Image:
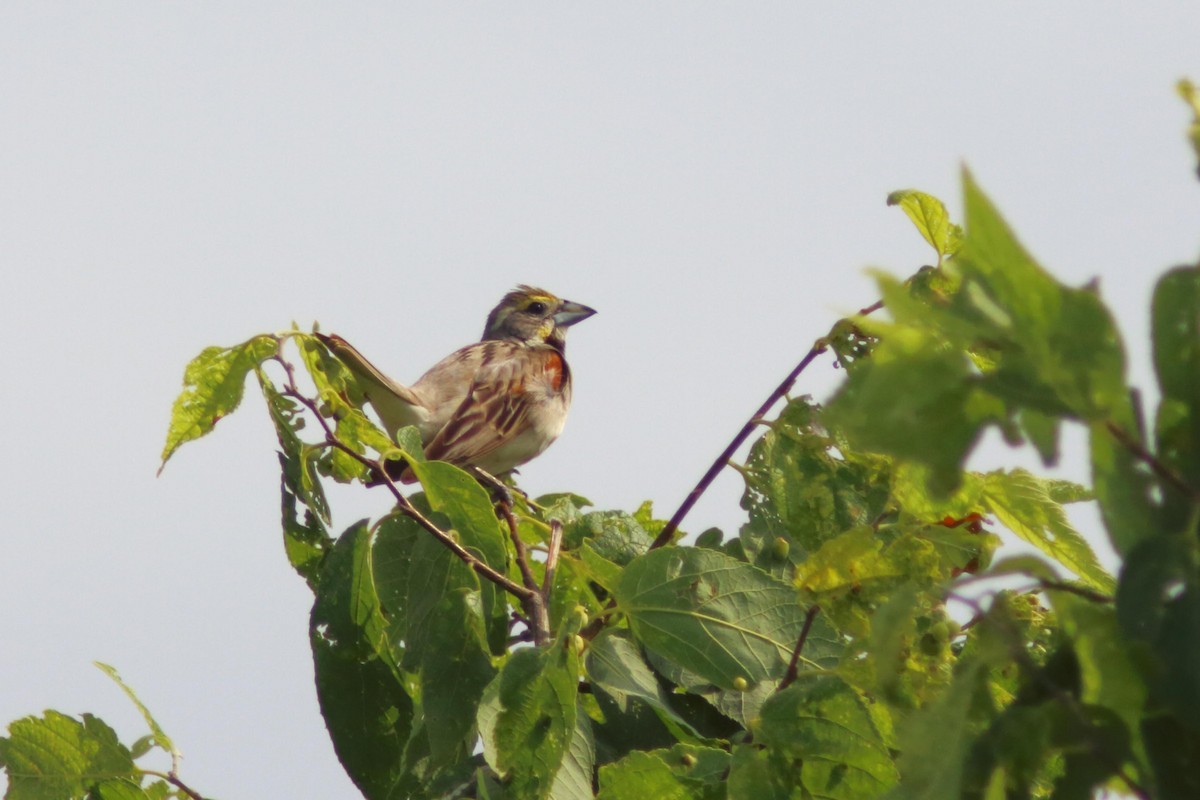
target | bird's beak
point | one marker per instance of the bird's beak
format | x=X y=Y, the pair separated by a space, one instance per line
x=569 y=313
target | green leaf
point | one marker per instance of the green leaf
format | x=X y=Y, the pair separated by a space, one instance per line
x=1179 y=649
x=759 y=774
x=535 y=725
x=432 y=573
x=1042 y=431
x=1176 y=336
x=856 y=572
x=574 y=778
x=599 y=569
x=212 y=388
x=685 y=771
x=617 y=668
x=1058 y=348
x=938 y=739
x=720 y=618
x=1108 y=675
x=469 y=509
x=614 y=535
x=931 y=218
x=798 y=491
x=160 y=737
x=307 y=540
x=639 y=776
x=1023 y=504
x=1189 y=93
x=396 y=538
x=1174 y=751
x=826 y=726
x=645 y=517
x=409 y=440
x=56 y=756
x=455 y=669
x=859 y=556
x=130 y=789
x=367 y=711
x=918 y=400
x=1123 y=490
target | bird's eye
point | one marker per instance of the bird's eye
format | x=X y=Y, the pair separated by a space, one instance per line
x=536 y=308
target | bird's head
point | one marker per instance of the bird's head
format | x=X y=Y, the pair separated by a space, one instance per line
x=534 y=315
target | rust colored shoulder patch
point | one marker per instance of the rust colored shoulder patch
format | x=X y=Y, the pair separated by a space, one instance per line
x=556 y=370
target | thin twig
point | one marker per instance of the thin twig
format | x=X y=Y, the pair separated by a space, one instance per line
x=871 y=309
x=1070 y=588
x=1149 y=459
x=173 y=779
x=534 y=605
x=668 y=533
x=794 y=665
x=331 y=439
x=183 y=787
x=519 y=545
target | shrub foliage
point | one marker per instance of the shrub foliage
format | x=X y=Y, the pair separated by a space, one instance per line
x=856 y=639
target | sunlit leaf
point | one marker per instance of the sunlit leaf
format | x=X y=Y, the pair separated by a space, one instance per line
x=55 y=756
x=931 y=218
x=799 y=491
x=918 y=400
x=1059 y=348
x=160 y=737
x=1191 y=95
x=213 y=384
x=1023 y=504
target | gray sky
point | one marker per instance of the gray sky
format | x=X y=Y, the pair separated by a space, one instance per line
x=710 y=177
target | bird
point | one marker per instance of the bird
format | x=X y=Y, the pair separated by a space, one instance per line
x=493 y=405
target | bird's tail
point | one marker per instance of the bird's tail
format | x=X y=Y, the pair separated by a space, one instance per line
x=396 y=404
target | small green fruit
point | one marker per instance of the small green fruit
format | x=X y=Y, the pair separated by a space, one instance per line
x=780 y=548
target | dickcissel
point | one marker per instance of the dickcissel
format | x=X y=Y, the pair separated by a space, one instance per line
x=494 y=404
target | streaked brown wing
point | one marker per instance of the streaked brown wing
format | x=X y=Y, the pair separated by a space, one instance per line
x=495 y=411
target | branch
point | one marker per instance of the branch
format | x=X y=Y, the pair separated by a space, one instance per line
x=668 y=532
x=820 y=346
x=1070 y=588
x=173 y=779
x=794 y=665
x=1149 y=459
x=533 y=602
x=331 y=439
